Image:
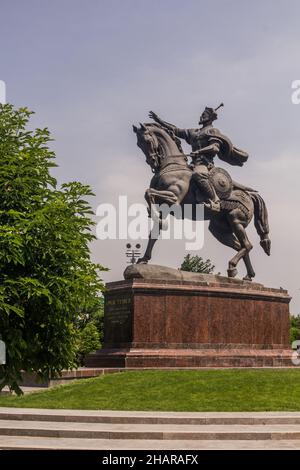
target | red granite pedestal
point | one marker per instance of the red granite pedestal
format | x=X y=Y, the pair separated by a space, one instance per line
x=212 y=321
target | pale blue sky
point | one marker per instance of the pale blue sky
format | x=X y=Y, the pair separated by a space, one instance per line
x=92 y=68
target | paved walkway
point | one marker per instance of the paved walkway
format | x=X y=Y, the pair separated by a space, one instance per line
x=42 y=443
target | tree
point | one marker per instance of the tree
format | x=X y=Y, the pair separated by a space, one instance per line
x=196 y=264
x=88 y=341
x=90 y=325
x=46 y=276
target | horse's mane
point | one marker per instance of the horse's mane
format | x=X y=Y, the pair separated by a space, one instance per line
x=168 y=131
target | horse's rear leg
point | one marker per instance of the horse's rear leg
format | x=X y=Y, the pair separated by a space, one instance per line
x=232 y=271
x=250 y=270
x=237 y=222
x=223 y=233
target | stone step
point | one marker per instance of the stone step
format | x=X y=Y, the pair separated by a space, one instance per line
x=67 y=376
x=149 y=431
x=52 y=443
x=144 y=417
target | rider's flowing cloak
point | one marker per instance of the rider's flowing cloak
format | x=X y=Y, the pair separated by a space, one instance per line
x=228 y=153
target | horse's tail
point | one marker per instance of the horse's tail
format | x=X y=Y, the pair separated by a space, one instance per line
x=261 y=221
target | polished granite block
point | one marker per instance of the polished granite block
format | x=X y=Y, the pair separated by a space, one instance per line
x=212 y=321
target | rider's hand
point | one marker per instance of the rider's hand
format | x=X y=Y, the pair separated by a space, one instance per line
x=196 y=153
x=154 y=116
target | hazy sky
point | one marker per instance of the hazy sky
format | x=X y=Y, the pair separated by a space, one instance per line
x=92 y=68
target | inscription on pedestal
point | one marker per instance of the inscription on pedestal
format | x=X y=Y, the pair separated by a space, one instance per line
x=117 y=320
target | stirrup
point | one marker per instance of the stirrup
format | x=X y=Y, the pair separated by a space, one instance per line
x=214 y=206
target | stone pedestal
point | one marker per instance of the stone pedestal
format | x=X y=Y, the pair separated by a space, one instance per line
x=159 y=317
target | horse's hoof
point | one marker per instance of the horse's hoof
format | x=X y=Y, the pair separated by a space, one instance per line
x=266 y=245
x=232 y=272
x=247 y=278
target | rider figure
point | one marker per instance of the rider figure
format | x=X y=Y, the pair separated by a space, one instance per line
x=206 y=142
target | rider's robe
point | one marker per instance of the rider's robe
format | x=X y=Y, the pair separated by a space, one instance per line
x=199 y=138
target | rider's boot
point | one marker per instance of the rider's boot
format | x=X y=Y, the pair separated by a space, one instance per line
x=215 y=203
x=205 y=186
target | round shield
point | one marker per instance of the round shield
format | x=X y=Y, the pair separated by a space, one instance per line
x=221 y=181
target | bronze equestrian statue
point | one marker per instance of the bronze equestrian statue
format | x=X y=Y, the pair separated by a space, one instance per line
x=228 y=205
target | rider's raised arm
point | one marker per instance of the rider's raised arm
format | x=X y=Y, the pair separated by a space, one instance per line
x=182 y=133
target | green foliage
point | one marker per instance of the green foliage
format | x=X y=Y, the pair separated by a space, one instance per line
x=196 y=264
x=295 y=328
x=88 y=341
x=90 y=327
x=93 y=314
x=96 y=317
x=46 y=276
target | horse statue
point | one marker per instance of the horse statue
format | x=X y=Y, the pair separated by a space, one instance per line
x=172 y=183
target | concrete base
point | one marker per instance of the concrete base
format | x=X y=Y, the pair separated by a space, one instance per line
x=190 y=358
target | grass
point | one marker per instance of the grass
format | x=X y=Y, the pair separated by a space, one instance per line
x=212 y=390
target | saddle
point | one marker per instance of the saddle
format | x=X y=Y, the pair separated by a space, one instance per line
x=229 y=190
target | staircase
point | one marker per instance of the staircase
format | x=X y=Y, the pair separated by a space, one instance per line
x=77 y=429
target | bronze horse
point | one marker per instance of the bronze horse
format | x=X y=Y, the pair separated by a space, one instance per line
x=172 y=184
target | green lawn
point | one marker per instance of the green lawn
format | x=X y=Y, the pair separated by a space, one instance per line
x=212 y=390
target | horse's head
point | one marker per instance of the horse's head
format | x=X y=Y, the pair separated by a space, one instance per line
x=157 y=143
x=148 y=143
